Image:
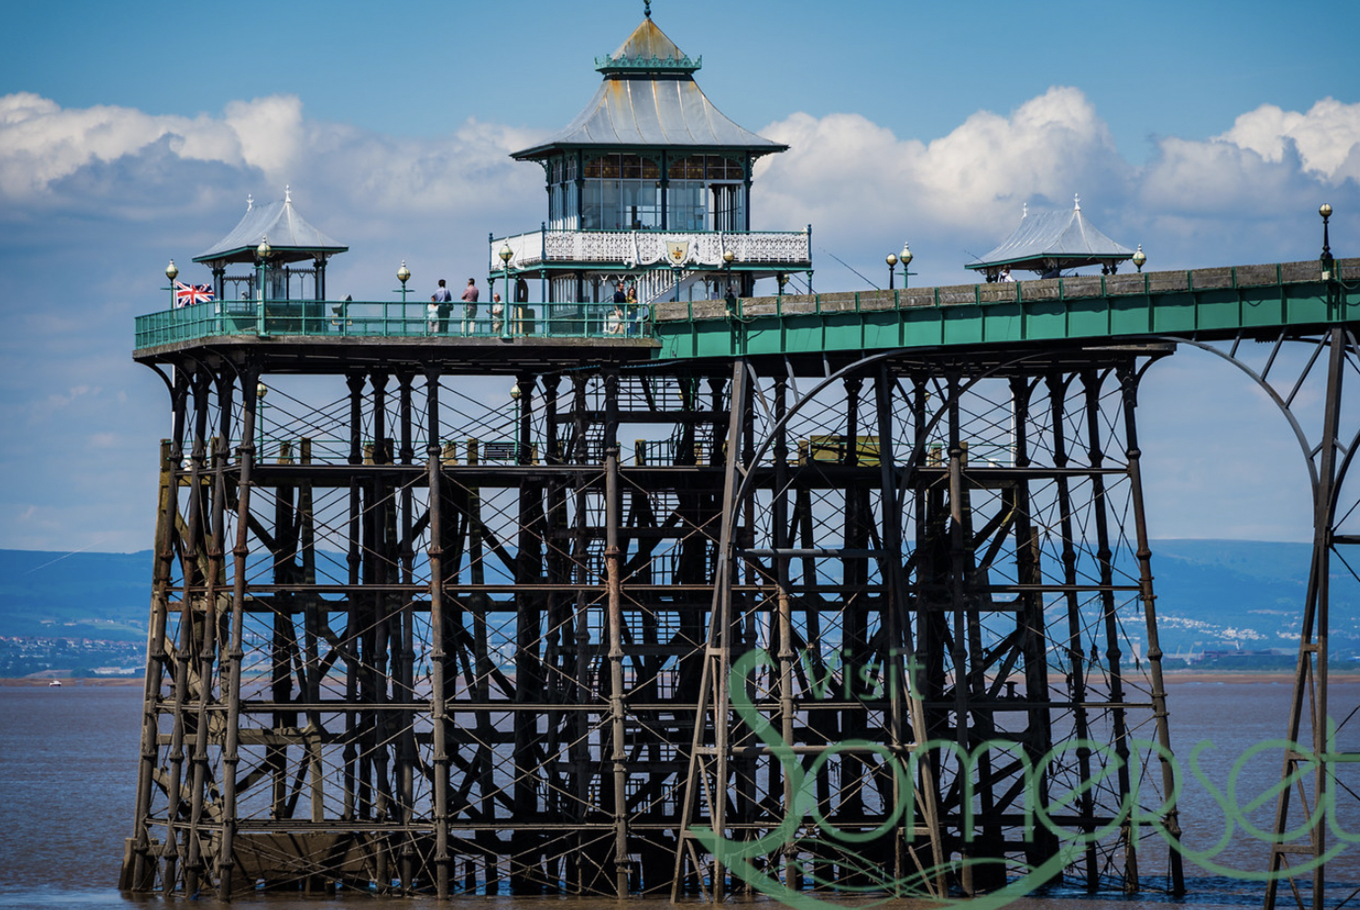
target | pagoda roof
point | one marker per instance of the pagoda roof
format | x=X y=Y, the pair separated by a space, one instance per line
x=1053 y=240
x=649 y=99
x=649 y=50
x=291 y=237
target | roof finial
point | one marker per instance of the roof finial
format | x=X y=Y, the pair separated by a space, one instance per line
x=647 y=8
x=287 y=194
x=1076 y=200
x=250 y=201
x=1024 y=211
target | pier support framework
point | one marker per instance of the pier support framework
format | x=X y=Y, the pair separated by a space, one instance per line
x=846 y=624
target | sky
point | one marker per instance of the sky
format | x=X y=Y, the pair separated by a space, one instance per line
x=1208 y=132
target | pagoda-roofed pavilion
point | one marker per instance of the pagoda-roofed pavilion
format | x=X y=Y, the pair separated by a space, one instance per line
x=1048 y=242
x=649 y=185
x=278 y=229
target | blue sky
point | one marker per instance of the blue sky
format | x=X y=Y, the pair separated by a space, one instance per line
x=1209 y=132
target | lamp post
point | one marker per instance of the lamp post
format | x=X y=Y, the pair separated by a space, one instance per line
x=262 y=254
x=1325 y=211
x=261 y=390
x=171 y=272
x=515 y=394
x=403 y=275
x=505 y=254
x=1139 y=258
x=905 y=257
x=892 y=268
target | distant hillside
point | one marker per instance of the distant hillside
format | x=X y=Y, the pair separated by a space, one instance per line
x=1212 y=595
x=80 y=595
x=1224 y=595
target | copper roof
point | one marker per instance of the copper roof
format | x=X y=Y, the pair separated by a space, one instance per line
x=648 y=43
x=649 y=98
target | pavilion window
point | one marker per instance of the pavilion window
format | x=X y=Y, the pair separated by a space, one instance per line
x=562 y=195
x=685 y=204
x=622 y=192
x=706 y=193
x=729 y=206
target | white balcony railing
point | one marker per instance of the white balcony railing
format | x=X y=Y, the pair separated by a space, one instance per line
x=641 y=249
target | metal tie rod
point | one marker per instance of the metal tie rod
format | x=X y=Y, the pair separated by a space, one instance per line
x=814 y=551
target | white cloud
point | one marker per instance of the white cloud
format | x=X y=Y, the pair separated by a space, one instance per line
x=57 y=400
x=1327 y=137
x=843 y=169
x=269 y=131
x=1243 y=194
x=42 y=143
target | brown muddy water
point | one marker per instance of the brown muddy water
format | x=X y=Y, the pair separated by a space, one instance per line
x=68 y=758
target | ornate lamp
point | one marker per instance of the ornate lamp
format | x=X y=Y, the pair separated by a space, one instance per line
x=403 y=275
x=262 y=254
x=1325 y=210
x=1139 y=258
x=905 y=257
x=261 y=390
x=505 y=253
x=172 y=273
x=892 y=268
x=515 y=395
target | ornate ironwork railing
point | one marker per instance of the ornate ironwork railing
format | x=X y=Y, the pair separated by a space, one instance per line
x=411 y=319
x=642 y=249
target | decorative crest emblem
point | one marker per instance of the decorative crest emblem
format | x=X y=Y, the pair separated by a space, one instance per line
x=678 y=249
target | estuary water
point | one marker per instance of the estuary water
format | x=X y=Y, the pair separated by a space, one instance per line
x=67 y=780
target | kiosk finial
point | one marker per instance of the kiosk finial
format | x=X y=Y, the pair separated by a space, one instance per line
x=647 y=8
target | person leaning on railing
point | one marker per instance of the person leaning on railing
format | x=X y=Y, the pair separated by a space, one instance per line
x=470 y=295
x=497 y=314
x=441 y=302
x=615 y=322
x=634 y=312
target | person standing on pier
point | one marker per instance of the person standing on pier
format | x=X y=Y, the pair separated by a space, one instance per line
x=470 y=295
x=442 y=303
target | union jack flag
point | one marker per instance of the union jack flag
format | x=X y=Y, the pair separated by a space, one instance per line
x=189 y=294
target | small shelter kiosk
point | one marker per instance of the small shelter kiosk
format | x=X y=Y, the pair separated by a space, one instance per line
x=1049 y=242
x=275 y=241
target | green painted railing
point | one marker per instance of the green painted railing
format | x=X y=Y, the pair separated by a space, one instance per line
x=362 y=319
x=1205 y=303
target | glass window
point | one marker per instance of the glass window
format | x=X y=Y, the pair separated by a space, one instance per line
x=729 y=210
x=621 y=192
x=592 y=206
x=685 y=205
x=691 y=168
